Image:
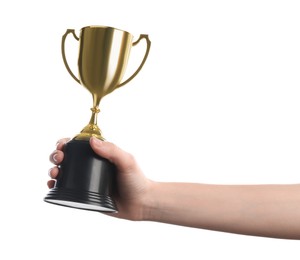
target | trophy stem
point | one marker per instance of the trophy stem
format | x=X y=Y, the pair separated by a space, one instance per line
x=92 y=128
x=95 y=111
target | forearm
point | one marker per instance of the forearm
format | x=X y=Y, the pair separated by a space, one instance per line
x=261 y=210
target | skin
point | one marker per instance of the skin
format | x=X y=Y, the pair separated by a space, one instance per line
x=257 y=210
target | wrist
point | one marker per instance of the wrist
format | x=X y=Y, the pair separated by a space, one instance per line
x=152 y=202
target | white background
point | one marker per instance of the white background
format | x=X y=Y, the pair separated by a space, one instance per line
x=216 y=102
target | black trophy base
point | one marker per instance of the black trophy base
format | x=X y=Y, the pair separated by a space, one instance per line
x=86 y=180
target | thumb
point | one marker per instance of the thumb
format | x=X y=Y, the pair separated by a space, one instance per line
x=124 y=161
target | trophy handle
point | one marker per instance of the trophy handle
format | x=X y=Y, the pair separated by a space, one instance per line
x=64 y=54
x=142 y=36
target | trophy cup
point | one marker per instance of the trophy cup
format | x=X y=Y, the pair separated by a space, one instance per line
x=86 y=180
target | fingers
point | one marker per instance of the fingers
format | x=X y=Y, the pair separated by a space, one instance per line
x=123 y=160
x=53 y=172
x=51 y=184
x=56 y=157
x=61 y=142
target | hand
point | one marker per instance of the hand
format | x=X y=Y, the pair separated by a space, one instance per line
x=132 y=186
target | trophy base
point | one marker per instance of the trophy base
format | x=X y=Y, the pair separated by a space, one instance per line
x=84 y=200
x=86 y=180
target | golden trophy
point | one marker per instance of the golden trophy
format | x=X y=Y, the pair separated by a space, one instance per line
x=86 y=180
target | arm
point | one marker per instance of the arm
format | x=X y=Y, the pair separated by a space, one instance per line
x=259 y=210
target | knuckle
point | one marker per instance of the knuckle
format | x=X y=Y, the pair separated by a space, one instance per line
x=130 y=161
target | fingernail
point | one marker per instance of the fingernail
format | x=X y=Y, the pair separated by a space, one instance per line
x=96 y=141
x=54 y=157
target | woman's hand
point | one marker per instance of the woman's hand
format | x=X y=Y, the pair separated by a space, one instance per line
x=132 y=186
